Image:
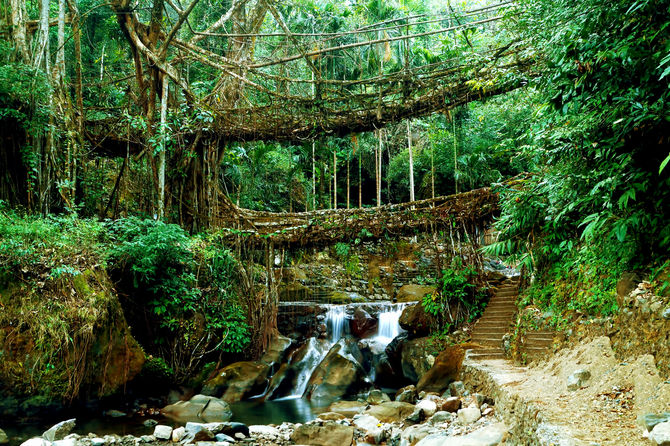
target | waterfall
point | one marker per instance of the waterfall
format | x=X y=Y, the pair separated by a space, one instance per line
x=336 y=322
x=389 y=327
x=313 y=357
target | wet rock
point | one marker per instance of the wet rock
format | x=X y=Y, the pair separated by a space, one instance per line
x=416 y=358
x=363 y=325
x=238 y=381
x=417 y=416
x=60 y=430
x=413 y=293
x=97 y=441
x=491 y=435
x=163 y=432
x=407 y=394
x=660 y=434
x=446 y=369
x=328 y=434
x=200 y=407
x=469 y=415
x=65 y=442
x=578 y=378
x=224 y=437
x=376 y=396
x=428 y=407
x=451 y=404
x=150 y=423
x=391 y=411
x=457 y=388
x=339 y=374
x=3 y=437
x=232 y=429
x=276 y=350
x=115 y=413
x=416 y=321
x=196 y=432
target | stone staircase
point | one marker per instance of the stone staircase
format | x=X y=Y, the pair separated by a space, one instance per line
x=495 y=322
x=536 y=343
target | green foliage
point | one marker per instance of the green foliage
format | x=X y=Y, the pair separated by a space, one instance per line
x=162 y=262
x=457 y=298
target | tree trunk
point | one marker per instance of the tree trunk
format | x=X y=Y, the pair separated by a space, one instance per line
x=18 y=18
x=411 y=162
x=41 y=56
x=334 y=179
x=163 y=148
x=360 y=183
x=453 y=121
x=60 y=53
x=348 y=183
x=313 y=176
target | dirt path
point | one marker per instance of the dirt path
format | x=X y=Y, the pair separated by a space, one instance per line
x=539 y=409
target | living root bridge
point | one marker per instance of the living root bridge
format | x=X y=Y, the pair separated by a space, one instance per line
x=465 y=213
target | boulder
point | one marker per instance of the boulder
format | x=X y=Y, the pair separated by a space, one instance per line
x=457 y=388
x=264 y=431
x=446 y=368
x=339 y=374
x=469 y=415
x=416 y=358
x=490 y=435
x=363 y=325
x=413 y=293
x=331 y=416
x=347 y=408
x=376 y=396
x=199 y=408
x=276 y=350
x=391 y=411
x=441 y=417
x=578 y=378
x=328 y=434
x=178 y=433
x=416 y=321
x=37 y=441
x=416 y=433
x=660 y=434
x=60 y=430
x=238 y=381
x=407 y=394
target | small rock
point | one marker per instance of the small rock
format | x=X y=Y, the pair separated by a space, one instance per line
x=163 y=432
x=457 y=388
x=429 y=407
x=441 y=417
x=407 y=394
x=150 y=423
x=487 y=411
x=451 y=404
x=469 y=415
x=240 y=436
x=224 y=437
x=578 y=379
x=178 y=434
x=97 y=441
x=264 y=431
x=115 y=413
x=666 y=313
x=147 y=439
x=660 y=434
x=59 y=431
x=366 y=422
x=376 y=396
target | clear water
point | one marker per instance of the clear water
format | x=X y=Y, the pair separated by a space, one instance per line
x=291 y=410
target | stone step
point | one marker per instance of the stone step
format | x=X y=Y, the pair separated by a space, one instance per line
x=506 y=321
x=485 y=356
x=502 y=306
x=501 y=313
x=506 y=293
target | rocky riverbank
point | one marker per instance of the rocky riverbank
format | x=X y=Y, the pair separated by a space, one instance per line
x=456 y=417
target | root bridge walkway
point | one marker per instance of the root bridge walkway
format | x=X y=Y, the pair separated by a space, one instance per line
x=465 y=213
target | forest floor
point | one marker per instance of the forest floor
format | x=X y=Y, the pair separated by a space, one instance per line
x=604 y=410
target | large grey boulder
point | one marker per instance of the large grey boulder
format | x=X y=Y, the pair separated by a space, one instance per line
x=490 y=435
x=390 y=411
x=60 y=430
x=36 y=441
x=199 y=408
x=328 y=434
x=469 y=415
x=162 y=432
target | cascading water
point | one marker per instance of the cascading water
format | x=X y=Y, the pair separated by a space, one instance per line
x=335 y=322
x=389 y=327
